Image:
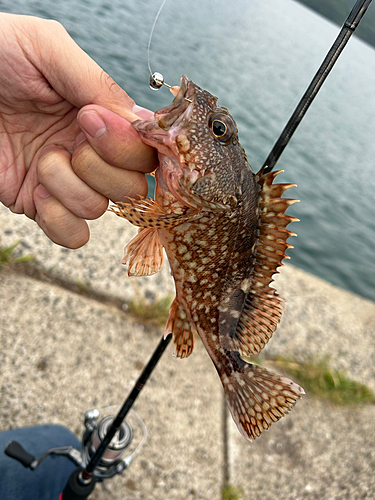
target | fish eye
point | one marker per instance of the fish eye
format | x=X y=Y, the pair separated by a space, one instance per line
x=221 y=127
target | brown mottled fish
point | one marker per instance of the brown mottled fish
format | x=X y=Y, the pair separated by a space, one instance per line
x=224 y=231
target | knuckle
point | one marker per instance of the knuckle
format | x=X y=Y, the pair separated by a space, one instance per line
x=51 y=158
x=55 y=25
x=54 y=217
x=64 y=228
x=95 y=208
x=108 y=81
x=82 y=161
x=114 y=90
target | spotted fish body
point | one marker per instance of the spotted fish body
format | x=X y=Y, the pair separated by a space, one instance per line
x=224 y=231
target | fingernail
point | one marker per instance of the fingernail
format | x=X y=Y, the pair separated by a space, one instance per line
x=92 y=124
x=42 y=192
x=81 y=137
x=142 y=112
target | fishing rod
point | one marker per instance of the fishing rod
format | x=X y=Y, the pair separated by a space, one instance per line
x=342 y=39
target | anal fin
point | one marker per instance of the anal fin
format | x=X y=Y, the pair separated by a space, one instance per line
x=257 y=397
x=178 y=323
x=144 y=253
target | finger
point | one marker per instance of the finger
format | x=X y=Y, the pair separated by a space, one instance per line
x=115 y=140
x=71 y=72
x=58 y=223
x=113 y=182
x=56 y=174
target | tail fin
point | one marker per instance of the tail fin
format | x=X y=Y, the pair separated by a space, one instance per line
x=257 y=397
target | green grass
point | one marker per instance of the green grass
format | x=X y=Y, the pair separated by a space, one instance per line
x=230 y=492
x=155 y=313
x=319 y=378
x=7 y=257
x=83 y=287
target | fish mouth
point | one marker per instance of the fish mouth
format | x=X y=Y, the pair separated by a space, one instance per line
x=159 y=130
x=183 y=101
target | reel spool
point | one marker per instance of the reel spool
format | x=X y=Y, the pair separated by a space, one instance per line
x=123 y=446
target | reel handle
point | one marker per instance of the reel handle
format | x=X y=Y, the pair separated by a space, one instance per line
x=16 y=451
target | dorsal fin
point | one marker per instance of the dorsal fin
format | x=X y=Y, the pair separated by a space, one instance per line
x=263 y=307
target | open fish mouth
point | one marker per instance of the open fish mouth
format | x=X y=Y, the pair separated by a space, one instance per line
x=158 y=130
x=180 y=107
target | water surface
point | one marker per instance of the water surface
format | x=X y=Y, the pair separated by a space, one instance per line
x=258 y=57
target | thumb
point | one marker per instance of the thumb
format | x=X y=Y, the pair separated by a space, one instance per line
x=115 y=140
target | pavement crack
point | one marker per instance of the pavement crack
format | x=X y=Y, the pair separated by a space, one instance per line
x=36 y=272
x=225 y=444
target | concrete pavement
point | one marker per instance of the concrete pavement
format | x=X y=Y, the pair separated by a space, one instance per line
x=64 y=353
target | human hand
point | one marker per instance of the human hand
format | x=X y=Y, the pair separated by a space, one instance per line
x=51 y=171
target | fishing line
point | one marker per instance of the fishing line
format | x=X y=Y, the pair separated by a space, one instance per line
x=152 y=32
x=157 y=79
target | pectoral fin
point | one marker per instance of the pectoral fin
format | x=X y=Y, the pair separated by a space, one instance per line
x=144 y=253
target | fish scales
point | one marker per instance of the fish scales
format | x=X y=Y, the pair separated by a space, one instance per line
x=224 y=232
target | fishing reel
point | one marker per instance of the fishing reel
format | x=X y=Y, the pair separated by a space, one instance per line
x=118 y=455
x=125 y=444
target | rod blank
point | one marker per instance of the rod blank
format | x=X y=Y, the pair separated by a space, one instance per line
x=128 y=404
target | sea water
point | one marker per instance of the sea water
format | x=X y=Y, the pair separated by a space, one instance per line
x=258 y=57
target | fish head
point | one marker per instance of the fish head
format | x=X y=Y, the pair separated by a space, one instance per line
x=193 y=136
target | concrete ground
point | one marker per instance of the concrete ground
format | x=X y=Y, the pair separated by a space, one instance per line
x=63 y=353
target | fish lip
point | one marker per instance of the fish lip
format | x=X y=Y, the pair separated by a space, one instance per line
x=184 y=99
x=155 y=131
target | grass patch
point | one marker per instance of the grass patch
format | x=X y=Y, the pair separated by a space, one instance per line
x=155 y=313
x=319 y=378
x=83 y=287
x=7 y=257
x=230 y=492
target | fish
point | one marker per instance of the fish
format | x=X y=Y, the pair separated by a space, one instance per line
x=223 y=229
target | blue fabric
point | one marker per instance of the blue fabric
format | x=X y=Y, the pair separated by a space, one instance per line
x=48 y=480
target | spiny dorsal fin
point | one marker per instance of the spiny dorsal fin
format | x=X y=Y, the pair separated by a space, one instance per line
x=263 y=307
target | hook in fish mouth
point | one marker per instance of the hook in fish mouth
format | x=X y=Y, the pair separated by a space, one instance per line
x=184 y=100
x=159 y=130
